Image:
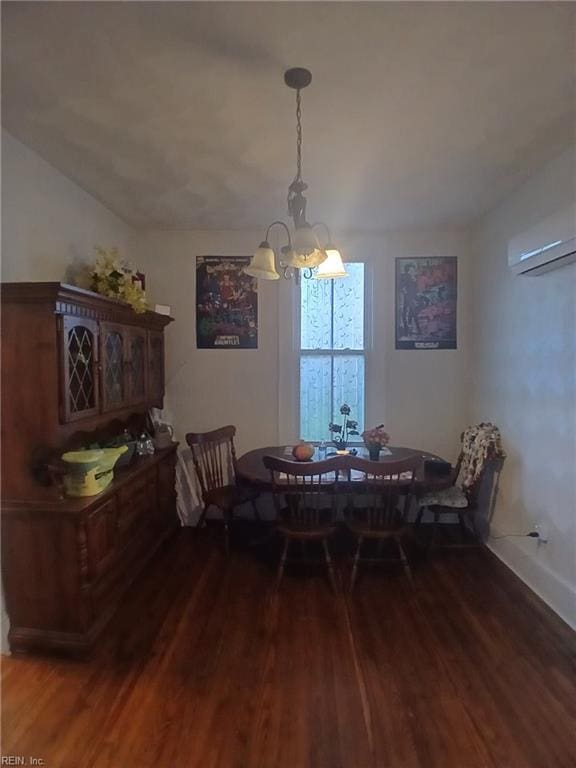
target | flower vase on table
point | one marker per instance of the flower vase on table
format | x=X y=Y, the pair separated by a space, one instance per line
x=374 y=452
x=375 y=439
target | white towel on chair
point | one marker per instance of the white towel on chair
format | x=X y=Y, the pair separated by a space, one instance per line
x=188 y=502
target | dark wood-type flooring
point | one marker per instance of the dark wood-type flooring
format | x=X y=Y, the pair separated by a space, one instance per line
x=206 y=666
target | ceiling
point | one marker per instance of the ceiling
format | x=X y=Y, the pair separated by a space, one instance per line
x=175 y=115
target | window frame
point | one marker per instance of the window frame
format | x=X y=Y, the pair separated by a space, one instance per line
x=346 y=352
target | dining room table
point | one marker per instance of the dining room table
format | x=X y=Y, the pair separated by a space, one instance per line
x=250 y=469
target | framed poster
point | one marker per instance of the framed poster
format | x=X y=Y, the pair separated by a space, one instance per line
x=226 y=303
x=426 y=296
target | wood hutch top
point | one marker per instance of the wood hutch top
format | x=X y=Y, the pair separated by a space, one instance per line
x=70 y=299
x=77 y=367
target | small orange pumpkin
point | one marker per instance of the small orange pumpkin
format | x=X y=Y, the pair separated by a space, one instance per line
x=303 y=451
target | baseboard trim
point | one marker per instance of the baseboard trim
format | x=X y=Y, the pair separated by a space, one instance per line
x=554 y=590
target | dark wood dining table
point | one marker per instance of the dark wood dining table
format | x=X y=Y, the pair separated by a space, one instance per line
x=250 y=468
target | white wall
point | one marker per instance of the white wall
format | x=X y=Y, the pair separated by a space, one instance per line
x=420 y=395
x=524 y=374
x=49 y=225
x=208 y=388
x=424 y=392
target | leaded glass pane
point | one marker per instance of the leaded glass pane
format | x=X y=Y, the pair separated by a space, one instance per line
x=315 y=313
x=315 y=396
x=349 y=309
x=80 y=369
x=156 y=363
x=113 y=368
x=138 y=367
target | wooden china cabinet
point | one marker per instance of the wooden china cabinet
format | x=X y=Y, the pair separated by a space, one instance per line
x=77 y=368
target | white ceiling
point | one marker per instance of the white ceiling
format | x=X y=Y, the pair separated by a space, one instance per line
x=175 y=115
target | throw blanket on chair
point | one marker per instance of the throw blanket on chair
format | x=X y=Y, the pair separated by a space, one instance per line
x=480 y=443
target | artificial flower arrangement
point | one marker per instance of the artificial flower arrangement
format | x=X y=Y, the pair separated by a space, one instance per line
x=111 y=276
x=344 y=430
x=377 y=437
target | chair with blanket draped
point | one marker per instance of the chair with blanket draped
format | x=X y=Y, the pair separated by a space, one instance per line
x=214 y=457
x=481 y=444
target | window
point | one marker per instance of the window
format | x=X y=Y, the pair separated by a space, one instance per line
x=332 y=352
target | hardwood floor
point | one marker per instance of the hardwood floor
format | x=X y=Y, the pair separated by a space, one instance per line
x=205 y=666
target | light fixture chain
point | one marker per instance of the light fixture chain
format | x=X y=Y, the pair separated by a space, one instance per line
x=298 y=136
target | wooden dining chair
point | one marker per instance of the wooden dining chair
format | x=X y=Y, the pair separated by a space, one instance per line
x=304 y=496
x=380 y=495
x=214 y=458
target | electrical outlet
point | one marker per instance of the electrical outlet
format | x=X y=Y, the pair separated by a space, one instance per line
x=542 y=531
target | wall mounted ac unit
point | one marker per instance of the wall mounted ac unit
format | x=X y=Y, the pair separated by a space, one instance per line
x=548 y=245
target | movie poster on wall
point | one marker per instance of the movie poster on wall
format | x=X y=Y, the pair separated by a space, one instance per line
x=426 y=297
x=226 y=303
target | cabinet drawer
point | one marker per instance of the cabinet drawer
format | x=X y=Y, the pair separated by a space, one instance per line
x=136 y=506
x=136 y=486
x=107 y=591
x=102 y=537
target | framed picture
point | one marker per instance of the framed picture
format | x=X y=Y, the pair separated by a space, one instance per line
x=426 y=297
x=226 y=303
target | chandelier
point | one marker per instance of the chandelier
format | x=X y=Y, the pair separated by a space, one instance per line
x=303 y=253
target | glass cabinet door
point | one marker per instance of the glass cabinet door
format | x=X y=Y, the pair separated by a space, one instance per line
x=156 y=368
x=114 y=365
x=79 y=367
x=138 y=353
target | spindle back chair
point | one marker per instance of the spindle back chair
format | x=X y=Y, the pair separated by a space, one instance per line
x=214 y=459
x=380 y=495
x=305 y=498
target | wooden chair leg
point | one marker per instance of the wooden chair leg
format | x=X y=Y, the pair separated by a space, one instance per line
x=435 y=529
x=201 y=519
x=419 y=516
x=329 y=565
x=463 y=527
x=355 y=565
x=256 y=513
x=227 y=535
x=417 y=530
x=282 y=563
x=475 y=530
x=403 y=559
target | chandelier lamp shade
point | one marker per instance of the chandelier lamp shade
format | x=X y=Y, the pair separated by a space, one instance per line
x=304 y=252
